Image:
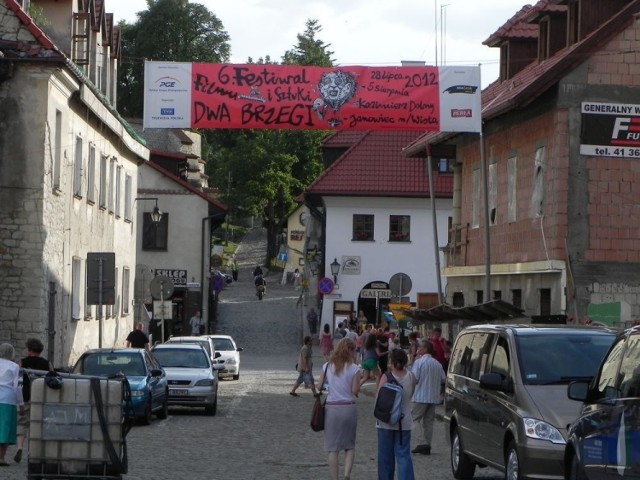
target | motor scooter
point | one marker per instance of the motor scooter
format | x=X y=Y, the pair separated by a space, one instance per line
x=260 y=291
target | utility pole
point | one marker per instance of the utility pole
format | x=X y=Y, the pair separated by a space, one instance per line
x=228 y=218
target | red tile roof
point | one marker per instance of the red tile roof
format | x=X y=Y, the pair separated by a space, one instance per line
x=36 y=31
x=343 y=138
x=515 y=28
x=375 y=167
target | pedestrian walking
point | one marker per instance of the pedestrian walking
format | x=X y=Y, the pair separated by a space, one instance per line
x=414 y=344
x=137 y=338
x=33 y=361
x=341 y=414
x=326 y=342
x=312 y=321
x=440 y=350
x=370 y=357
x=234 y=270
x=430 y=377
x=11 y=401
x=197 y=324
x=394 y=441
x=304 y=367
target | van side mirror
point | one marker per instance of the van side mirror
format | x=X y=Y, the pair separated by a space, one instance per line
x=578 y=390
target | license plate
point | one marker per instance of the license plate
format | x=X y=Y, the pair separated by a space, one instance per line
x=179 y=392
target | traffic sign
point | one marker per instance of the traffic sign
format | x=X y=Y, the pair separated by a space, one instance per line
x=326 y=286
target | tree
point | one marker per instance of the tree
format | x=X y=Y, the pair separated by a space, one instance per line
x=170 y=31
x=269 y=168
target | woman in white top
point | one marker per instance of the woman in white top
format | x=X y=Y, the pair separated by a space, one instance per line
x=394 y=439
x=10 y=398
x=341 y=414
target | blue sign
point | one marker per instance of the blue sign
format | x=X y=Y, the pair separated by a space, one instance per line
x=326 y=286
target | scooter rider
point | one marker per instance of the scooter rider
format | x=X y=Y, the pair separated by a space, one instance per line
x=257 y=272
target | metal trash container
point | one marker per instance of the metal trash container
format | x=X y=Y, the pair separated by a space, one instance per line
x=78 y=429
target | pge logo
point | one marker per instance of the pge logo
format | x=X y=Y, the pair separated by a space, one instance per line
x=166 y=111
x=167 y=82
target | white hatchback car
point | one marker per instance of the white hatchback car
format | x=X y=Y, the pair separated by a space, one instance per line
x=229 y=357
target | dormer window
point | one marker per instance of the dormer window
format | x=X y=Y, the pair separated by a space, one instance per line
x=573 y=25
x=543 y=39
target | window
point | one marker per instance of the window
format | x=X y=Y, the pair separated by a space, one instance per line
x=363 y=228
x=516 y=297
x=77 y=168
x=127 y=197
x=111 y=185
x=476 y=199
x=118 y=190
x=504 y=61
x=103 y=181
x=573 y=34
x=116 y=303
x=497 y=294
x=479 y=297
x=543 y=39
x=125 y=291
x=630 y=368
x=493 y=193
x=537 y=195
x=545 y=301
x=500 y=363
x=91 y=174
x=87 y=307
x=399 y=228
x=154 y=235
x=57 y=152
x=470 y=355
x=458 y=299
x=512 y=164
x=609 y=371
x=76 y=288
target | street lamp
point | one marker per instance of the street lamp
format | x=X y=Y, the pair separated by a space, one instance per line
x=335 y=270
x=156 y=214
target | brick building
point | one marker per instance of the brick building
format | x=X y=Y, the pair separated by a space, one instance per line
x=562 y=172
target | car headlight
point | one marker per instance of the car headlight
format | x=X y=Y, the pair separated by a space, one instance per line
x=137 y=393
x=204 y=383
x=540 y=430
x=231 y=361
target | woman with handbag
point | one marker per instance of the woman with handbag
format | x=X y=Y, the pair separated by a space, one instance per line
x=341 y=414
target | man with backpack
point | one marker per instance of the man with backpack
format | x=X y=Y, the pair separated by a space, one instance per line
x=393 y=416
x=430 y=377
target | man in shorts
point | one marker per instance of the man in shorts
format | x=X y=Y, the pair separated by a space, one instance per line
x=304 y=367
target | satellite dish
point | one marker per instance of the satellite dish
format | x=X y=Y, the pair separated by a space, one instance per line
x=400 y=284
x=161 y=287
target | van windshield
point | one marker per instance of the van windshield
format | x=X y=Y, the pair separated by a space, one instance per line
x=559 y=359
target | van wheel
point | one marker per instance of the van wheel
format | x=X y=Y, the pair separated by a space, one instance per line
x=576 y=472
x=462 y=466
x=512 y=463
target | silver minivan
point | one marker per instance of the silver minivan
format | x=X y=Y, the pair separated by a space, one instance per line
x=506 y=402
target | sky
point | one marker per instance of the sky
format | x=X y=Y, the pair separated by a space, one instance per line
x=360 y=32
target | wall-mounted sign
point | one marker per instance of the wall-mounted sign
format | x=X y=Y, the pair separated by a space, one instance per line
x=610 y=130
x=177 y=277
x=350 y=265
x=375 y=293
x=296 y=235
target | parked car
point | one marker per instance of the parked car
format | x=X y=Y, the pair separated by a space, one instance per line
x=203 y=340
x=227 y=278
x=192 y=378
x=506 y=403
x=229 y=356
x=147 y=379
x=604 y=441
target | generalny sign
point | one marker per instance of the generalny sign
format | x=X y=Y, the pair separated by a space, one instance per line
x=610 y=130
x=204 y=95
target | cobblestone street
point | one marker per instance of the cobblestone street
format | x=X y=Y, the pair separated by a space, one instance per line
x=259 y=432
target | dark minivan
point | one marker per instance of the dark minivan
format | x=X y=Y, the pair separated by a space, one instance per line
x=604 y=442
x=506 y=402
